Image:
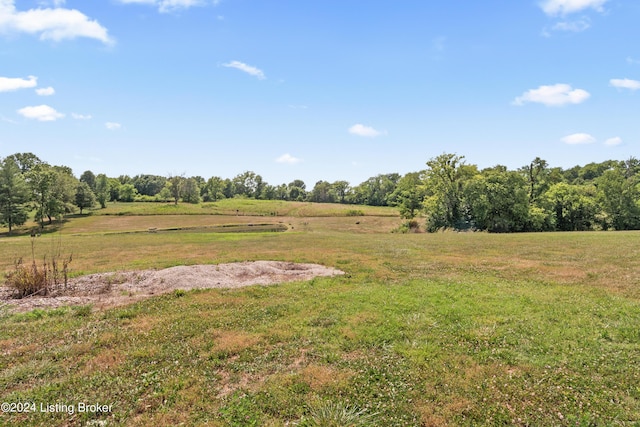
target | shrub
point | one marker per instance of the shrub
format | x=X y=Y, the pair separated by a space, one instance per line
x=355 y=212
x=33 y=279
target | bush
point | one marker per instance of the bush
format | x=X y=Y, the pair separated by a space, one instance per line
x=28 y=280
x=410 y=226
x=355 y=212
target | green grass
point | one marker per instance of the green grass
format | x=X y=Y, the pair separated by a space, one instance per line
x=434 y=330
x=244 y=207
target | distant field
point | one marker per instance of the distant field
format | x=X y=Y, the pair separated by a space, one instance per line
x=425 y=329
x=242 y=207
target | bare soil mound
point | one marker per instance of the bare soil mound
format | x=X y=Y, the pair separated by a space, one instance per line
x=111 y=289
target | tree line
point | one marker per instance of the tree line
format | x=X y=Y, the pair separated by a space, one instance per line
x=448 y=193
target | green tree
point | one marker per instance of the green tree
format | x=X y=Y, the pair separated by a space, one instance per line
x=149 y=185
x=213 y=189
x=14 y=194
x=341 y=190
x=190 y=191
x=102 y=190
x=409 y=195
x=498 y=200
x=127 y=192
x=574 y=206
x=89 y=178
x=619 y=198
x=444 y=183
x=321 y=193
x=247 y=184
x=84 y=196
x=535 y=174
x=296 y=190
x=174 y=184
x=53 y=191
x=26 y=161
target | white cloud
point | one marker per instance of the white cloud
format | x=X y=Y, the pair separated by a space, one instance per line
x=573 y=26
x=8 y=84
x=51 y=24
x=46 y=91
x=565 y=7
x=113 y=125
x=578 y=138
x=77 y=116
x=553 y=95
x=630 y=60
x=256 y=72
x=288 y=158
x=625 y=84
x=166 y=6
x=42 y=113
x=613 y=141
x=362 y=130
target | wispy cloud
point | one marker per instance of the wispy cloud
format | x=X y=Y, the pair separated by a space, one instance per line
x=625 y=84
x=573 y=26
x=366 y=131
x=251 y=70
x=77 y=116
x=631 y=60
x=288 y=159
x=113 y=126
x=611 y=142
x=578 y=138
x=566 y=7
x=42 y=113
x=166 y=6
x=553 y=95
x=46 y=91
x=8 y=84
x=51 y=24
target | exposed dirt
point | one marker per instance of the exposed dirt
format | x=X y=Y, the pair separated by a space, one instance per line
x=120 y=288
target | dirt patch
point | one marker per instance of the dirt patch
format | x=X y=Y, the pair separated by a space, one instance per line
x=111 y=289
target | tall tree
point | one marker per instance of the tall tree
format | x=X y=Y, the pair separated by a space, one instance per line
x=498 y=200
x=26 y=161
x=90 y=178
x=536 y=174
x=444 y=182
x=213 y=189
x=341 y=190
x=84 y=196
x=53 y=190
x=409 y=195
x=14 y=194
x=619 y=197
x=174 y=183
x=321 y=193
x=102 y=190
x=574 y=206
x=190 y=191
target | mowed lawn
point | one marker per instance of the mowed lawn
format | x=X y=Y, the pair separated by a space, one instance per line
x=424 y=329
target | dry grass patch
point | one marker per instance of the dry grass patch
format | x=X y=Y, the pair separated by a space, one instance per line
x=106 y=360
x=321 y=377
x=234 y=342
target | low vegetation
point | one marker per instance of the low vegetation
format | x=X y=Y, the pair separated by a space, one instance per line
x=424 y=329
x=31 y=279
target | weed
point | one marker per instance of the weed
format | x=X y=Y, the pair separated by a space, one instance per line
x=34 y=279
x=336 y=414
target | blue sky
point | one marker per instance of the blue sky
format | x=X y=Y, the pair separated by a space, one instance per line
x=317 y=89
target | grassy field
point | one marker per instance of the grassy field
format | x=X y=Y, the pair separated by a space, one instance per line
x=424 y=329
